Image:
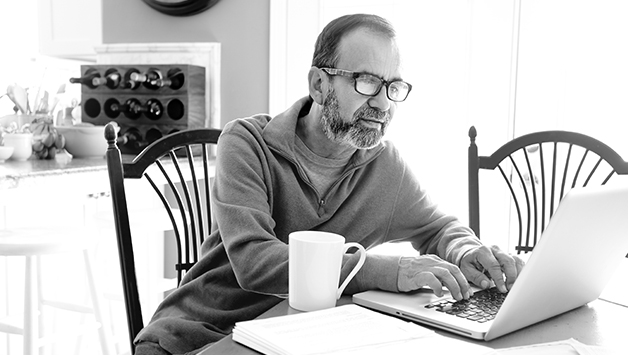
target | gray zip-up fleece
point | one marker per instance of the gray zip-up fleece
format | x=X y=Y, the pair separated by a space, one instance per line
x=260 y=195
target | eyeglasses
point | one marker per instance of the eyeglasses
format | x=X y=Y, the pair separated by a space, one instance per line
x=370 y=85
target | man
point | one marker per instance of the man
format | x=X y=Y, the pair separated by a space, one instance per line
x=321 y=165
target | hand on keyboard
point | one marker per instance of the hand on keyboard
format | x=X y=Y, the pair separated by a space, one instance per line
x=434 y=272
x=483 y=264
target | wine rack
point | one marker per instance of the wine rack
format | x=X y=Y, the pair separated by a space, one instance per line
x=146 y=101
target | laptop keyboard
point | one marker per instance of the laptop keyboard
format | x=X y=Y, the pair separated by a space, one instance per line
x=481 y=307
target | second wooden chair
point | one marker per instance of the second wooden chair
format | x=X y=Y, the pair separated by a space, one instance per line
x=538 y=169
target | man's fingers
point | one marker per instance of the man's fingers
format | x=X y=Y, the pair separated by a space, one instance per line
x=497 y=275
x=447 y=278
x=497 y=265
x=483 y=264
x=436 y=278
x=475 y=276
x=476 y=267
x=480 y=266
x=461 y=282
x=511 y=265
x=489 y=265
x=429 y=270
x=430 y=280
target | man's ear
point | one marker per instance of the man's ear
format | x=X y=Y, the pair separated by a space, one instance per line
x=315 y=83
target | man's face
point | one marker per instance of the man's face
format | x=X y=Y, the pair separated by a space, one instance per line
x=349 y=117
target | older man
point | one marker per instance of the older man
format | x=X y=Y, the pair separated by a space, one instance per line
x=321 y=165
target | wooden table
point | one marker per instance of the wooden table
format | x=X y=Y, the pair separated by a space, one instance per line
x=598 y=323
x=601 y=322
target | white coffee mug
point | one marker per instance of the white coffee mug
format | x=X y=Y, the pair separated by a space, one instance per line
x=315 y=260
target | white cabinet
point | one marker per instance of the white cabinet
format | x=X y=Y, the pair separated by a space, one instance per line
x=73 y=193
x=58 y=202
x=32 y=197
x=69 y=28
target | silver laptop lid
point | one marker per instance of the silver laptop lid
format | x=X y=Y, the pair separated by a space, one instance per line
x=583 y=244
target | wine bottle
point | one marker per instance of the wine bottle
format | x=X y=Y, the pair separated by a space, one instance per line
x=131 y=108
x=127 y=82
x=111 y=80
x=112 y=108
x=87 y=78
x=131 y=139
x=148 y=77
x=174 y=79
x=153 y=109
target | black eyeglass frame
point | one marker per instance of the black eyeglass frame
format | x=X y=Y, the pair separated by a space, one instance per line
x=355 y=75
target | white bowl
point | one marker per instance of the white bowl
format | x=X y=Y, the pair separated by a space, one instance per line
x=5 y=153
x=83 y=141
x=20 y=120
x=22 y=144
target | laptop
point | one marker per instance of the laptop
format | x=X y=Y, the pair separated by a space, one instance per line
x=580 y=249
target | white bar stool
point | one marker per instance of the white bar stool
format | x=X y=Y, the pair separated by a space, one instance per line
x=31 y=244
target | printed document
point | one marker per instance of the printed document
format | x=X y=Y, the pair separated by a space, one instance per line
x=348 y=329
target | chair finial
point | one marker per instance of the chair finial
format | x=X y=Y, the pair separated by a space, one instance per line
x=472 y=133
x=110 y=134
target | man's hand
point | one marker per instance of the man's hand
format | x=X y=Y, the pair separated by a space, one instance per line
x=432 y=271
x=482 y=264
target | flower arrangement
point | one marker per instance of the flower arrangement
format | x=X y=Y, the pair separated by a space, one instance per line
x=46 y=140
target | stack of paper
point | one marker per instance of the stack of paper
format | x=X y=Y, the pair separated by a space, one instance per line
x=345 y=329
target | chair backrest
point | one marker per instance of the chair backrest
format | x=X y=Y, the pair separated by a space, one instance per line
x=539 y=168
x=181 y=162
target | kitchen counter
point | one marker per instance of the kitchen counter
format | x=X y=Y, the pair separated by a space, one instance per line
x=63 y=171
x=64 y=175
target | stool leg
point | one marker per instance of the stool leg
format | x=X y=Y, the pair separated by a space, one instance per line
x=7 y=305
x=40 y=300
x=30 y=307
x=103 y=330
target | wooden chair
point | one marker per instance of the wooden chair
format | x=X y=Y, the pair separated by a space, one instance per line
x=181 y=162
x=539 y=168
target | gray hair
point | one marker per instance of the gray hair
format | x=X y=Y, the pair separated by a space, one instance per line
x=326 y=47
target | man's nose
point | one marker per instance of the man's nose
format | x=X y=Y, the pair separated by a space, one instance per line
x=380 y=101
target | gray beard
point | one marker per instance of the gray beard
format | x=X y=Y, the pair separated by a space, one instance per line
x=352 y=133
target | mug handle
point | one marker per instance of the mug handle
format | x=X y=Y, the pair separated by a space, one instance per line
x=355 y=270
